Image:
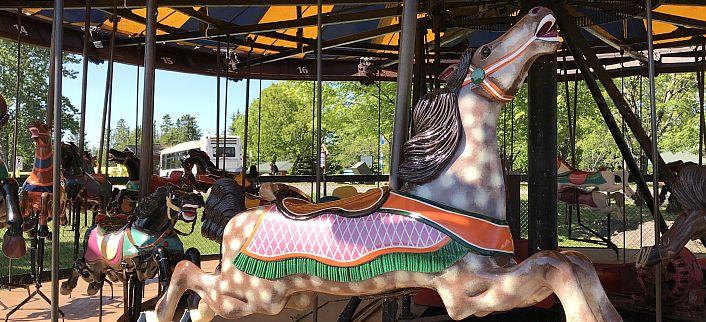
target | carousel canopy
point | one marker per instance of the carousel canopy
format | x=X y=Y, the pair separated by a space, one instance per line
x=360 y=37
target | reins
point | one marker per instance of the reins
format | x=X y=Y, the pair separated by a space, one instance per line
x=172 y=223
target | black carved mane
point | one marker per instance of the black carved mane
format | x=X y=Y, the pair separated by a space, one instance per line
x=690 y=188
x=437 y=127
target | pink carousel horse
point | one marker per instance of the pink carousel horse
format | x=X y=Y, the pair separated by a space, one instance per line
x=446 y=232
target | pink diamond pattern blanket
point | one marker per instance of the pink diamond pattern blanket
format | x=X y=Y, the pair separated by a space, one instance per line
x=393 y=238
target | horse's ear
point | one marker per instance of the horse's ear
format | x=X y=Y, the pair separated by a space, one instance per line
x=444 y=76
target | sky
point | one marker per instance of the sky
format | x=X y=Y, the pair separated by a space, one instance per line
x=176 y=94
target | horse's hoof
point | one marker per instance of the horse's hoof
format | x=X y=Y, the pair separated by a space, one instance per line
x=65 y=288
x=93 y=288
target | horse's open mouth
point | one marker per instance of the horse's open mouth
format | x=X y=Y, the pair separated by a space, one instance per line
x=34 y=132
x=547 y=30
x=188 y=212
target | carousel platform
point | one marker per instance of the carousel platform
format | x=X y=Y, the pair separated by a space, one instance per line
x=82 y=307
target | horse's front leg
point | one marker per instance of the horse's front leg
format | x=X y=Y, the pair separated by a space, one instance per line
x=687 y=226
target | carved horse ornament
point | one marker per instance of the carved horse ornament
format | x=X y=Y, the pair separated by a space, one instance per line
x=35 y=199
x=457 y=198
x=603 y=180
x=132 y=247
x=132 y=163
x=94 y=189
x=690 y=191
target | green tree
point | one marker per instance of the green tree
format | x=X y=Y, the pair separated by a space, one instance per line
x=187 y=128
x=349 y=123
x=34 y=66
x=166 y=130
x=120 y=136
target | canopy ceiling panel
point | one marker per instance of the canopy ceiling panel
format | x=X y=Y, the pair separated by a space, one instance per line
x=281 y=35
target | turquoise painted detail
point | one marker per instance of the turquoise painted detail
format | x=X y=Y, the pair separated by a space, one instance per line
x=592 y=180
x=171 y=243
x=132 y=185
x=477 y=76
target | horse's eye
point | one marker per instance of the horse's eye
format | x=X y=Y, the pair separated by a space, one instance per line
x=485 y=52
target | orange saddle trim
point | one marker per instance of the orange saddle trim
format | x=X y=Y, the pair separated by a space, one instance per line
x=361 y=204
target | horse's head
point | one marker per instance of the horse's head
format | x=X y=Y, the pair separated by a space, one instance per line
x=71 y=160
x=498 y=69
x=40 y=132
x=120 y=156
x=184 y=202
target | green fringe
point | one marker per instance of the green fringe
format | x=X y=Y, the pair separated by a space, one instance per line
x=431 y=262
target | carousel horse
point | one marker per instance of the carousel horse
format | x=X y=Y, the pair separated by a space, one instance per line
x=37 y=190
x=13 y=243
x=603 y=180
x=596 y=200
x=81 y=187
x=132 y=163
x=446 y=231
x=206 y=172
x=690 y=191
x=148 y=244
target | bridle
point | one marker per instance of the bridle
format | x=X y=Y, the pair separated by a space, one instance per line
x=479 y=76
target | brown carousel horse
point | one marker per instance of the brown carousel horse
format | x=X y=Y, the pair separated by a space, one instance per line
x=37 y=190
x=207 y=173
x=690 y=192
x=447 y=232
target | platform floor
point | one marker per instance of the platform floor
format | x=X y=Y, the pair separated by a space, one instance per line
x=82 y=307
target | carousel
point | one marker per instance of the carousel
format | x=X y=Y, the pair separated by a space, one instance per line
x=440 y=239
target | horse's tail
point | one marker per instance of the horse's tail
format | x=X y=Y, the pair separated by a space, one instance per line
x=224 y=202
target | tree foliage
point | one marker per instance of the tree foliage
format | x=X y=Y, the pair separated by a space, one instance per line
x=34 y=96
x=185 y=129
x=349 y=123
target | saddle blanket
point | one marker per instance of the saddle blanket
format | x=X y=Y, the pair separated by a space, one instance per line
x=407 y=232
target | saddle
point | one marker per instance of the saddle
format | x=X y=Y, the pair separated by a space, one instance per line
x=356 y=206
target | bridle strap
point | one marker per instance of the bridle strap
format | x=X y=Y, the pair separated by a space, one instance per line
x=493 y=89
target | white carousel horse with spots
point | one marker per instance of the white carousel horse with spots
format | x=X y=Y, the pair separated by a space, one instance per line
x=461 y=183
x=603 y=180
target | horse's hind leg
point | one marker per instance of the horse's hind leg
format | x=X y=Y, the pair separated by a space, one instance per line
x=503 y=288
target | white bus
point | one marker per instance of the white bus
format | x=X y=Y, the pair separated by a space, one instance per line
x=170 y=158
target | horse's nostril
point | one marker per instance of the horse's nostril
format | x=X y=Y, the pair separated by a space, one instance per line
x=536 y=10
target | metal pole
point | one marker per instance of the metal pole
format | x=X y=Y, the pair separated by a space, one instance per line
x=111 y=63
x=84 y=78
x=319 y=38
x=148 y=98
x=259 y=114
x=17 y=95
x=108 y=88
x=225 y=106
x=700 y=80
x=404 y=87
x=137 y=103
x=655 y=165
x=57 y=59
x=247 y=117
x=218 y=101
